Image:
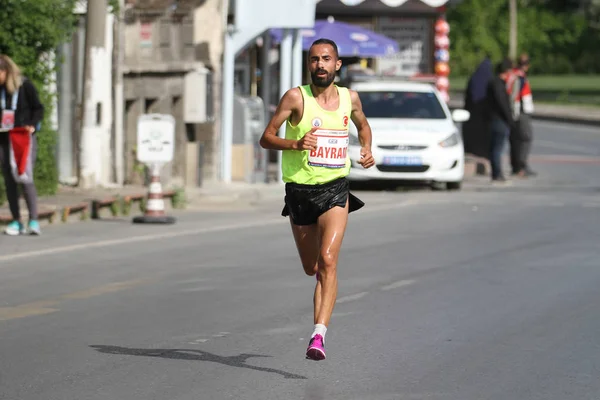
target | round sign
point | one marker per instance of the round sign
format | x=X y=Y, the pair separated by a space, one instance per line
x=442 y=41
x=442 y=83
x=442 y=69
x=442 y=27
x=442 y=55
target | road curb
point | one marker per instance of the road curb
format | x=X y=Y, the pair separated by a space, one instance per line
x=118 y=205
x=558 y=117
x=476 y=166
x=566 y=119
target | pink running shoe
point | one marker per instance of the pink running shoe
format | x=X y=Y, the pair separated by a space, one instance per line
x=316 y=348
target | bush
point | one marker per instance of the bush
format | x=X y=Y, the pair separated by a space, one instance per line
x=46 y=173
x=557 y=41
x=28 y=40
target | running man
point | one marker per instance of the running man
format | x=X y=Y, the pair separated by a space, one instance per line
x=314 y=167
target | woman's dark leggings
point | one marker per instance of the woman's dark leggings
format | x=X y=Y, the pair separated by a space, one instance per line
x=12 y=188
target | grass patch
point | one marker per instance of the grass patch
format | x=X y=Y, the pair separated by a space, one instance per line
x=555 y=89
x=559 y=83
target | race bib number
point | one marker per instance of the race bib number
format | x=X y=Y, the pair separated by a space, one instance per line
x=8 y=119
x=332 y=149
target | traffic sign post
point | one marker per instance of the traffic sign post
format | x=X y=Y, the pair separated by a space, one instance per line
x=155 y=147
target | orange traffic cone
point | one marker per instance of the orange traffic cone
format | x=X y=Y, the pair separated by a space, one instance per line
x=155 y=206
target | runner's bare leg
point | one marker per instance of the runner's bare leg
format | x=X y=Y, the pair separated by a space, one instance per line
x=307 y=242
x=332 y=227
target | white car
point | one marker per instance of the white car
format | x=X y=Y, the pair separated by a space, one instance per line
x=414 y=134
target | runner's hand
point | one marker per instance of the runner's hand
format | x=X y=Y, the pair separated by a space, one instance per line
x=366 y=158
x=309 y=141
x=30 y=128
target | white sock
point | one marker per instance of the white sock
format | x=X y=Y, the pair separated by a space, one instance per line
x=320 y=329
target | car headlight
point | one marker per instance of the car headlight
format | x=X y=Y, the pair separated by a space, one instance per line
x=450 y=141
x=353 y=140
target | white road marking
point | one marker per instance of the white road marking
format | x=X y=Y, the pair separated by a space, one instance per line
x=198 y=341
x=342 y=314
x=397 y=285
x=282 y=330
x=352 y=297
x=134 y=239
x=196 y=290
x=174 y=234
x=591 y=205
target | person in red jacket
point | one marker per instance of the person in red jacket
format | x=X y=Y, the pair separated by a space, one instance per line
x=521 y=136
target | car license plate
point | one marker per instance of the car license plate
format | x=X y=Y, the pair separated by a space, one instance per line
x=403 y=160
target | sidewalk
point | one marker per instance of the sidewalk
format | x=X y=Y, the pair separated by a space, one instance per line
x=75 y=204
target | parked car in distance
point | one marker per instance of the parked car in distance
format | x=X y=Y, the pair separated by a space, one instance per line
x=415 y=137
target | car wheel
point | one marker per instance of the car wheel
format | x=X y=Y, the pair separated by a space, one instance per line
x=453 y=185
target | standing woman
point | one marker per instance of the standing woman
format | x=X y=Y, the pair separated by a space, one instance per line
x=476 y=132
x=20 y=107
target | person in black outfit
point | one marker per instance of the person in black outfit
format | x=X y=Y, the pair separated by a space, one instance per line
x=476 y=131
x=501 y=120
x=20 y=107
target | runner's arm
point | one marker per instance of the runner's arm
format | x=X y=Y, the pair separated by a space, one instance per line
x=290 y=102
x=364 y=131
x=360 y=120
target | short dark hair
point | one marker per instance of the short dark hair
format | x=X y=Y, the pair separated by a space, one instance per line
x=504 y=66
x=329 y=42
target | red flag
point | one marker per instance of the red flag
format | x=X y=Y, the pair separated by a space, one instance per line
x=20 y=140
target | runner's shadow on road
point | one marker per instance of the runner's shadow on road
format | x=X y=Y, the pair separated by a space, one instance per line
x=195 y=355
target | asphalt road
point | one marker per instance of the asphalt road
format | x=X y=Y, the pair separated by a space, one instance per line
x=488 y=293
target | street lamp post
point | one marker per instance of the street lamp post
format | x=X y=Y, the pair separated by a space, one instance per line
x=513 y=29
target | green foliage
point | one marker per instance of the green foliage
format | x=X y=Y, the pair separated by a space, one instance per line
x=31 y=28
x=46 y=173
x=114 y=7
x=179 y=199
x=559 y=38
x=29 y=31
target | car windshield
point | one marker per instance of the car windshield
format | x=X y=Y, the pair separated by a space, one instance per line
x=397 y=104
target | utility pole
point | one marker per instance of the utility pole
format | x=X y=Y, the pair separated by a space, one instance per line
x=119 y=143
x=95 y=54
x=512 y=4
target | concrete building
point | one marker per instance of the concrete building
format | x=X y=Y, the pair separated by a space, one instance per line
x=161 y=56
x=165 y=56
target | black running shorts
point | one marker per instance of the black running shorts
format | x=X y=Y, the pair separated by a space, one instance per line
x=305 y=203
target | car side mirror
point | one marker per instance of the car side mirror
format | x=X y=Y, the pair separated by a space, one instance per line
x=460 y=115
